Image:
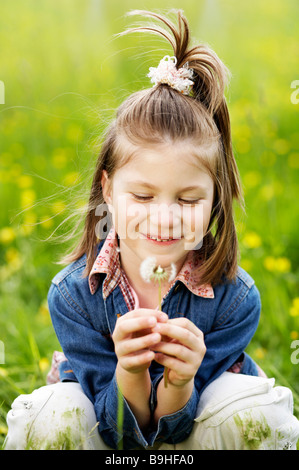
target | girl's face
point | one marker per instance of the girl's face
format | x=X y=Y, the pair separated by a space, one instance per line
x=161 y=202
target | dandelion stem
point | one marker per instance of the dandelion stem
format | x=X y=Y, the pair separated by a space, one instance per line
x=160 y=308
x=120 y=418
x=160 y=295
x=150 y=272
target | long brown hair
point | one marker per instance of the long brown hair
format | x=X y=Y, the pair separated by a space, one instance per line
x=160 y=114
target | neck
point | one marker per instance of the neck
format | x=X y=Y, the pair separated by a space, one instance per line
x=141 y=287
x=147 y=292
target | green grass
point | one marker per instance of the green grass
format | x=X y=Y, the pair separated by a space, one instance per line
x=64 y=75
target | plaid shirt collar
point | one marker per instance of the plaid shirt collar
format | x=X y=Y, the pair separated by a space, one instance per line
x=108 y=262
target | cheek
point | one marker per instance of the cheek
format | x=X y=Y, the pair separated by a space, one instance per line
x=128 y=216
x=196 y=221
x=118 y=211
x=193 y=217
x=206 y=216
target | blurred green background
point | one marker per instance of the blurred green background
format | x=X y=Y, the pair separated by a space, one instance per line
x=64 y=74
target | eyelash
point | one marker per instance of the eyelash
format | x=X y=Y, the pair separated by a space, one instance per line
x=148 y=198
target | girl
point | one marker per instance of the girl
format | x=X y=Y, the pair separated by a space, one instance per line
x=167 y=173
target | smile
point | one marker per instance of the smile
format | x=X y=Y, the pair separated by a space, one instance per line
x=161 y=239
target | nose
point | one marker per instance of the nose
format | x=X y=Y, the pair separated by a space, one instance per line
x=165 y=218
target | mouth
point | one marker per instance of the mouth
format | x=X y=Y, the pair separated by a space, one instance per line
x=161 y=240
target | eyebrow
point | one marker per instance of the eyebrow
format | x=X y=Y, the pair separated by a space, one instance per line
x=151 y=186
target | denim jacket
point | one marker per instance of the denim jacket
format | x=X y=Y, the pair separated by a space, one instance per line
x=84 y=324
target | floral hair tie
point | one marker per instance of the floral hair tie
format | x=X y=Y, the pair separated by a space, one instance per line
x=166 y=73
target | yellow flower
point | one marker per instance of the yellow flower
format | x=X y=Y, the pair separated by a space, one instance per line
x=294 y=310
x=71 y=178
x=252 y=179
x=294 y=335
x=28 y=197
x=242 y=145
x=3 y=372
x=282 y=264
x=59 y=161
x=281 y=146
x=246 y=264
x=44 y=364
x=54 y=129
x=3 y=429
x=60 y=158
x=7 y=235
x=58 y=207
x=25 y=181
x=74 y=133
x=43 y=311
x=81 y=206
x=29 y=223
x=260 y=353
x=13 y=258
x=46 y=222
x=252 y=240
x=242 y=131
x=267 y=192
x=269 y=263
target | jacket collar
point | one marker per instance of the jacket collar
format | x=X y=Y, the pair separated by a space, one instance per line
x=108 y=262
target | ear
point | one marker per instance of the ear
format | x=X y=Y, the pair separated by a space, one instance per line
x=106 y=187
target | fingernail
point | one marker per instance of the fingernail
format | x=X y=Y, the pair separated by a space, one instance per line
x=156 y=337
x=163 y=317
x=152 y=321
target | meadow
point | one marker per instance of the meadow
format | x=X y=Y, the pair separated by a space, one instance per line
x=63 y=73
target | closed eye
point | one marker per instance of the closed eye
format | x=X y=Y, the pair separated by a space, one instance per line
x=139 y=197
x=143 y=198
x=190 y=201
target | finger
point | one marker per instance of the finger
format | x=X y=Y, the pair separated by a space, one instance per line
x=138 y=320
x=182 y=335
x=135 y=360
x=132 y=325
x=136 y=344
x=175 y=350
x=188 y=324
x=178 y=367
x=141 y=312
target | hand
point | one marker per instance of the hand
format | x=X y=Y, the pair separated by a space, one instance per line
x=134 y=338
x=181 y=350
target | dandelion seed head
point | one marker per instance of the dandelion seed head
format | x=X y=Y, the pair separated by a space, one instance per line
x=147 y=268
x=172 y=273
x=150 y=271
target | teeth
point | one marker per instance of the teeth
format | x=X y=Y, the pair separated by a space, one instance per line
x=160 y=239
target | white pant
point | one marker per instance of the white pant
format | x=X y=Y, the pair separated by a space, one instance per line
x=235 y=412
